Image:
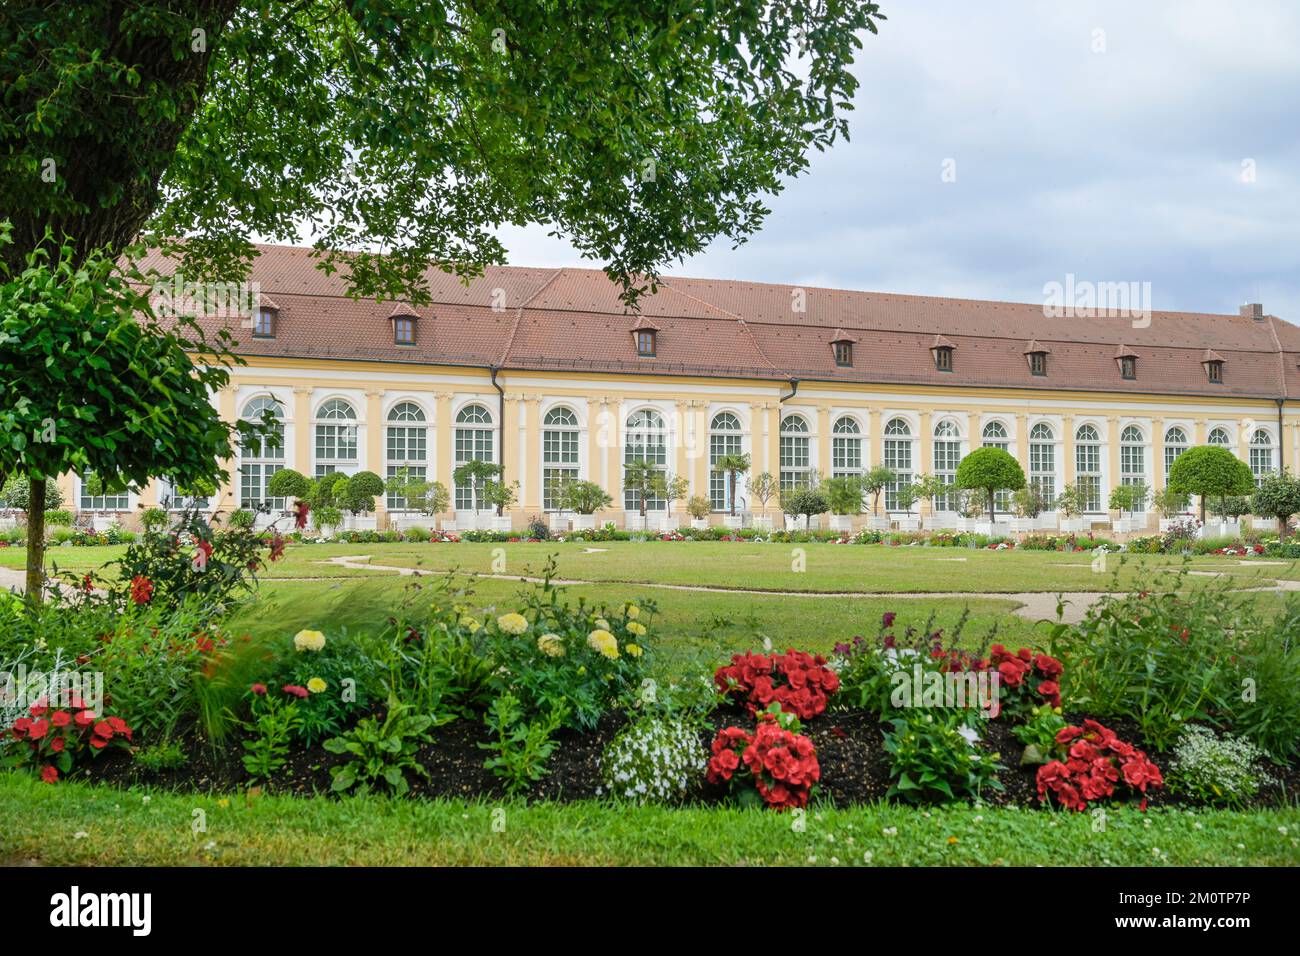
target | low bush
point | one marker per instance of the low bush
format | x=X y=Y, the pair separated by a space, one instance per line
x=653 y=760
x=934 y=755
x=1216 y=770
x=1091 y=764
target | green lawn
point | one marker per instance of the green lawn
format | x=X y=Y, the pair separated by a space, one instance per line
x=89 y=826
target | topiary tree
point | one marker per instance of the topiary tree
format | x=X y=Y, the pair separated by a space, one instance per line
x=1128 y=497
x=805 y=501
x=287 y=483
x=990 y=470
x=17 y=494
x=1209 y=471
x=1278 y=496
x=476 y=474
x=328 y=490
x=501 y=495
x=874 y=483
x=733 y=466
x=360 y=491
x=645 y=481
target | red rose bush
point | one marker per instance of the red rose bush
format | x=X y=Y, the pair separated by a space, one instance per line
x=800 y=682
x=1094 y=762
x=782 y=765
x=56 y=736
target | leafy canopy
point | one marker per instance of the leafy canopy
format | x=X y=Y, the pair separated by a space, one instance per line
x=990 y=470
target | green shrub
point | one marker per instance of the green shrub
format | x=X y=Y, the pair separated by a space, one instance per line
x=58 y=518
x=241 y=518
x=934 y=756
x=341 y=681
x=381 y=752
x=161 y=757
x=1218 y=770
x=522 y=747
x=418 y=535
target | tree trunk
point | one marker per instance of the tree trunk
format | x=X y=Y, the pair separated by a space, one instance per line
x=1202 y=510
x=732 y=479
x=993 y=509
x=36 y=543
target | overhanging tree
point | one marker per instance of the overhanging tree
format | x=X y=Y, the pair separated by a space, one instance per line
x=88 y=382
x=1209 y=471
x=990 y=470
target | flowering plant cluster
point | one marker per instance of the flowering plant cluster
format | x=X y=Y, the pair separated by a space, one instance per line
x=54 y=737
x=1027 y=680
x=654 y=759
x=1092 y=762
x=780 y=763
x=800 y=682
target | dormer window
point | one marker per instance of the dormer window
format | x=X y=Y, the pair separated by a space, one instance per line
x=1213 y=363
x=1127 y=360
x=942 y=349
x=404 y=330
x=644 y=335
x=842 y=349
x=264 y=323
x=1036 y=356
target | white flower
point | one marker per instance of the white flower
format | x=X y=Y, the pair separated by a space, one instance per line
x=970 y=733
x=308 y=640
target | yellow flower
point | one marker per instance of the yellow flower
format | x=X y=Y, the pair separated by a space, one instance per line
x=552 y=645
x=602 y=624
x=316 y=685
x=470 y=624
x=603 y=643
x=633 y=612
x=513 y=623
x=308 y=640
x=633 y=650
x=635 y=628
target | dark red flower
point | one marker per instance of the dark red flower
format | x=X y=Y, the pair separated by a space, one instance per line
x=49 y=774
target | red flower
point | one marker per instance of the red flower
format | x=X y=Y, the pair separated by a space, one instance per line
x=57 y=744
x=60 y=718
x=295 y=690
x=259 y=690
x=1052 y=691
x=300 y=512
x=38 y=729
x=887 y=619
x=49 y=774
x=277 y=546
x=84 y=718
x=141 y=589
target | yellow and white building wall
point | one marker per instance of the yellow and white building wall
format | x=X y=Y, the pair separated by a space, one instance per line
x=375 y=416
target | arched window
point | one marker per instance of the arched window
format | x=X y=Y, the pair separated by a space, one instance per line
x=724 y=439
x=336 y=438
x=474 y=442
x=646 y=440
x=795 y=452
x=898 y=459
x=1133 y=461
x=1175 y=444
x=559 y=455
x=846 y=447
x=947 y=455
x=995 y=436
x=1042 y=463
x=1087 y=467
x=1261 y=455
x=262 y=456
x=406 y=448
x=1220 y=437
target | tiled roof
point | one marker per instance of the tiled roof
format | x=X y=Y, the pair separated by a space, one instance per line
x=573 y=320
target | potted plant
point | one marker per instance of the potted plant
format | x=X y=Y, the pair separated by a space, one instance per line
x=1069 y=504
x=1212 y=473
x=1172 y=505
x=646 y=481
x=500 y=495
x=676 y=489
x=1128 y=498
x=874 y=483
x=584 y=499
x=1028 y=502
x=906 y=496
x=844 y=495
x=990 y=470
x=969 y=507
x=802 y=503
x=699 y=507
x=1229 y=509
x=764 y=487
x=930 y=488
x=327 y=518
x=474 y=475
x=733 y=466
x=358 y=498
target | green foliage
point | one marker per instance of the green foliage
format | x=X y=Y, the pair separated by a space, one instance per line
x=60 y=519
x=329 y=491
x=241 y=518
x=327 y=516
x=381 y=752
x=874 y=483
x=733 y=466
x=764 y=487
x=1170 y=502
x=990 y=470
x=584 y=497
x=1215 y=770
x=17 y=494
x=161 y=757
x=500 y=495
x=359 y=491
x=1038 y=734
x=476 y=475
x=653 y=759
x=804 y=501
x=698 y=507
x=351 y=680
x=1028 y=501
x=843 y=494
x=1278 y=496
x=287 y=483
x=1210 y=472
x=646 y=481
x=930 y=760
x=272 y=728
x=1069 y=501
x=154 y=520
x=1129 y=497
x=522 y=748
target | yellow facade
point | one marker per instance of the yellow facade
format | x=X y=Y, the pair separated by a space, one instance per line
x=602 y=404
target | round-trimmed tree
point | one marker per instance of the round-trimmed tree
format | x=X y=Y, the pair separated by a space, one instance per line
x=1278 y=496
x=990 y=470
x=1209 y=471
x=287 y=483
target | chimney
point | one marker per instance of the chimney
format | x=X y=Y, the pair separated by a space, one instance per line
x=1252 y=310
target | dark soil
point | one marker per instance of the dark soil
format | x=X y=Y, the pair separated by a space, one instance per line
x=850 y=750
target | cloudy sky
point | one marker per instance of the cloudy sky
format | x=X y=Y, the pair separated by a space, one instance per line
x=1118 y=141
